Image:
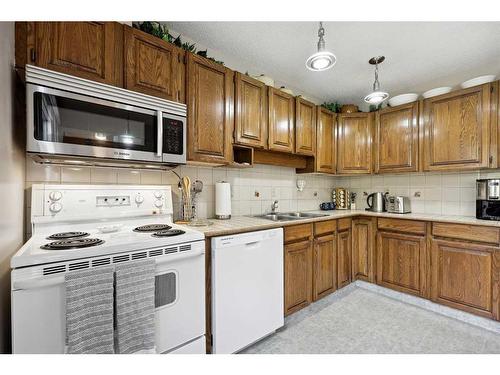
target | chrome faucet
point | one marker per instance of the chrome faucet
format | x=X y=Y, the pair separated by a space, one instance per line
x=274 y=207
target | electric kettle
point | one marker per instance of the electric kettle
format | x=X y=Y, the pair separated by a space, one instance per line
x=376 y=202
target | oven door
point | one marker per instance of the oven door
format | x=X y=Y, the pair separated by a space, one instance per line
x=66 y=123
x=39 y=308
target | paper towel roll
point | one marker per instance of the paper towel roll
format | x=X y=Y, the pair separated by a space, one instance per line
x=222 y=200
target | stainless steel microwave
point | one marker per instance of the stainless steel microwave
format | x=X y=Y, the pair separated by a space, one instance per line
x=69 y=116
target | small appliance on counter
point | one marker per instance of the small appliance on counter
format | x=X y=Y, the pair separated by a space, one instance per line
x=222 y=200
x=327 y=206
x=341 y=198
x=376 y=202
x=488 y=199
x=396 y=204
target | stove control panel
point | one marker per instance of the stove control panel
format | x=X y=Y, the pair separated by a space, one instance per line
x=61 y=202
x=113 y=200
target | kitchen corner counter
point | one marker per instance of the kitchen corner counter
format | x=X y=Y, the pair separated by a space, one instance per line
x=241 y=224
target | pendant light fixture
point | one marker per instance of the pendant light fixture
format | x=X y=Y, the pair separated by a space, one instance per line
x=321 y=60
x=376 y=96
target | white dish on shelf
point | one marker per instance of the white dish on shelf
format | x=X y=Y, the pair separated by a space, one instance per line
x=477 y=81
x=435 y=92
x=265 y=79
x=402 y=99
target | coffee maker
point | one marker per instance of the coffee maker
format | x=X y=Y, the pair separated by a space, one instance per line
x=488 y=199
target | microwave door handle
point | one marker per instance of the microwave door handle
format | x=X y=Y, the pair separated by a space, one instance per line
x=159 y=125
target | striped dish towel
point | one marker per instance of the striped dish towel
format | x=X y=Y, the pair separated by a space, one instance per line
x=89 y=311
x=135 y=307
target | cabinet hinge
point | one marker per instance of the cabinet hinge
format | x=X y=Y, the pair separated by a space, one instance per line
x=185 y=59
x=32 y=54
x=492 y=89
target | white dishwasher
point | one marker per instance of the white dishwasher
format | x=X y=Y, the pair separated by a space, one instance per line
x=247 y=288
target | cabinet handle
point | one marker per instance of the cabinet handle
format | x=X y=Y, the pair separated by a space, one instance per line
x=491 y=159
x=32 y=54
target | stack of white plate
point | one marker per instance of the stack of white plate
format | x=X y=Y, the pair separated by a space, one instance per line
x=402 y=99
x=435 y=92
x=477 y=81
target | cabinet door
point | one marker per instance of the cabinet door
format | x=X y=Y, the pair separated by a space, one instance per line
x=401 y=262
x=396 y=139
x=326 y=151
x=325 y=266
x=466 y=276
x=354 y=142
x=250 y=113
x=210 y=111
x=305 y=127
x=457 y=130
x=153 y=66
x=281 y=121
x=91 y=50
x=344 y=254
x=298 y=276
x=363 y=249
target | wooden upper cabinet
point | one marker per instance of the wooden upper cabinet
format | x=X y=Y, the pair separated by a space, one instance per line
x=305 y=127
x=210 y=93
x=91 y=50
x=326 y=144
x=281 y=121
x=467 y=277
x=457 y=130
x=250 y=111
x=153 y=66
x=354 y=143
x=396 y=139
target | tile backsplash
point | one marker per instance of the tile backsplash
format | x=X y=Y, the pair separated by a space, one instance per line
x=430 y=193
x=254 y=189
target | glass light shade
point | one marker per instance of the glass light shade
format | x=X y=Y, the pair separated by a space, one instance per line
x=376 y=97
x=321 y=60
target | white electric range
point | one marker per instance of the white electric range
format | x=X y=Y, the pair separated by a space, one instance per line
x=78 y=227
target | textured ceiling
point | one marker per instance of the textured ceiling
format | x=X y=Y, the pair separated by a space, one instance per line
x=419 y=55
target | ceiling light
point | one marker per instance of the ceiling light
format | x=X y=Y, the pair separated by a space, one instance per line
x=376 y=96
x=321 y=60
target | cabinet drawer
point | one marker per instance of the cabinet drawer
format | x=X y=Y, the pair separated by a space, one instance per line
x=298 y=232
x=344 y=224
x=324 y=227
x=466 y=232
x=406 y=226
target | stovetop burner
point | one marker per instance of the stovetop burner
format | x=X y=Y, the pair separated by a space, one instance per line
x=74 y=243
x=66 y=235
x=152 y=228
x=168 y=233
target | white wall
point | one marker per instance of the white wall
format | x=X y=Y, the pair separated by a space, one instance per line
x=11 y=178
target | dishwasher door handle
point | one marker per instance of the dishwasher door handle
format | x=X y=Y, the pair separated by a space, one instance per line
x=253 y=245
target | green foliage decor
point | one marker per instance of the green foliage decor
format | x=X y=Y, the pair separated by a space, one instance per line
x=161 y=31
x=332 y=106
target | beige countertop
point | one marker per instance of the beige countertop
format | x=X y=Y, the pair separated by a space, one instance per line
x=241 y=224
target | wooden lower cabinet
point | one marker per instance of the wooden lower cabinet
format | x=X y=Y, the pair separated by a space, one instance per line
x=324 y=266
x=401 y=262
x=298 y=275
x=344 y=254
x=363 y=249
x=466 y=276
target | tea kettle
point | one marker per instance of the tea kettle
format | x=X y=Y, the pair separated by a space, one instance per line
x=376 y=202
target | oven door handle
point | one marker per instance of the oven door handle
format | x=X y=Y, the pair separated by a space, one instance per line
x=159 y=124
x=41 y=282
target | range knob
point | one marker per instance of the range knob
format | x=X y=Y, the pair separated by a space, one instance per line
x=158 y=203
x=139 y=199
x=158 y=194
x=55 y=207
x=55 y=195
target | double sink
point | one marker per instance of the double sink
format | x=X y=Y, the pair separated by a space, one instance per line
x=287 y=216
